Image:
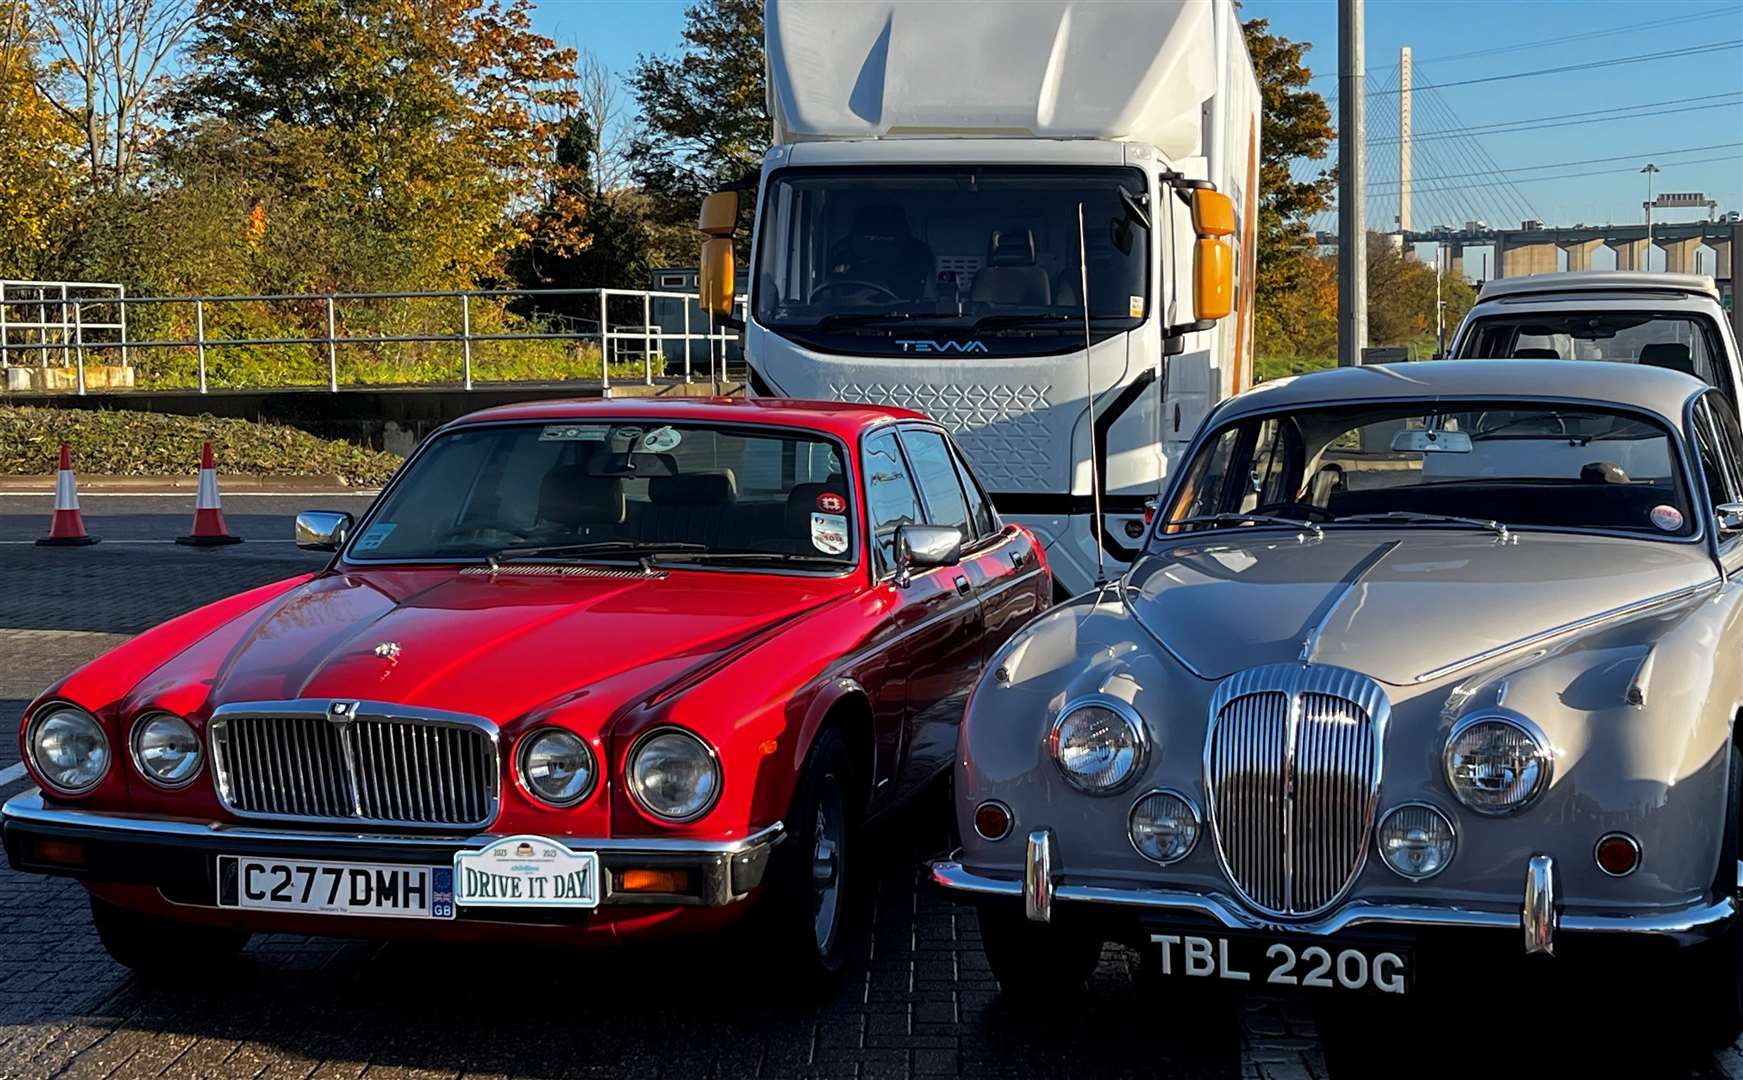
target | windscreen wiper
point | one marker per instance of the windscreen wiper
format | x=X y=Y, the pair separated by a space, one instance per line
x=596 y=547
x=1413 y=517
x=1251 y=519
x=837 y=319
x=744 y=556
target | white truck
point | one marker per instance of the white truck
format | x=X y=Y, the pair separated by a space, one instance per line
x=917 y=237
x=1664 y=320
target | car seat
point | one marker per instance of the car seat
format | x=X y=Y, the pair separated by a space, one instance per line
x=1668 y=354
x=573 y=501
x=1011 y=276
x=690 y=508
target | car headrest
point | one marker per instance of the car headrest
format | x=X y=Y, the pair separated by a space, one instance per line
x=568 y=496
x=1011 y=247
x=1603 y=472
x=694 y=489
x=1668 y=354
x=803 y=501
x=1536 y=354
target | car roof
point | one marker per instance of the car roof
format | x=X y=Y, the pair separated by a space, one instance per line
x=843 y=419
x=1656 y=390
x=1599 y=281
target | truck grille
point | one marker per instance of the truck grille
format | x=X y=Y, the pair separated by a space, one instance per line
x=1292 y=767
x=355 y=762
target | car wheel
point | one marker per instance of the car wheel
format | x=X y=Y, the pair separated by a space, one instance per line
x=163 y=948
x=1035 y=963
x=810 y=913
x=1712 y=974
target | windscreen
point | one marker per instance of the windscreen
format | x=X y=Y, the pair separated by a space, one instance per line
x=968 y=262
x=616 y=488
x=1523 y=465
x=1682 y=343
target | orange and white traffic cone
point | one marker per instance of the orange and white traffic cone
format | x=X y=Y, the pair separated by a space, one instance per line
x=209 y=529
x=68 y=528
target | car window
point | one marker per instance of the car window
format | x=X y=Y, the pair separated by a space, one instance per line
x=936 y=474
x=889 y=494
x=479 y=490
x=1548 y=465
x=1707 y=452
x=979 y=510
x=1730 y=443
x=1679 y=342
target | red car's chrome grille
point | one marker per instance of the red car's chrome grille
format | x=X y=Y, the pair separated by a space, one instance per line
x=1292 y=767
x=355 y=763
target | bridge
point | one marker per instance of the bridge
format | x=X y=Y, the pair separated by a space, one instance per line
x=1538 y=249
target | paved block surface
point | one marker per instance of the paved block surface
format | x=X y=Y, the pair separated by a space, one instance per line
x=918 y=1000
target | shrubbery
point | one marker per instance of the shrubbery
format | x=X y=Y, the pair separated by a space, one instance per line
x=123 y=442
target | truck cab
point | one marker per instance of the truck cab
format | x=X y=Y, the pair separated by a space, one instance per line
x=1661 y=320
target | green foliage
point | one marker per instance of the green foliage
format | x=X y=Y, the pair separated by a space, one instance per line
x=705 y=119
x=38 y=152
x=128 y=443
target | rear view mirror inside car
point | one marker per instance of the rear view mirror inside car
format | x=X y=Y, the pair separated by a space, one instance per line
x=1427 y=441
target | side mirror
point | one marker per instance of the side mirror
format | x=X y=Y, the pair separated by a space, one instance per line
x=714 y=277
x=1730 y=516
x=719 y=215
x=1213 y=260
x=1213 y=213
x=923 y=547
x=322 y=530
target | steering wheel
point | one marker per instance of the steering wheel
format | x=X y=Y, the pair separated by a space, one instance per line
x=1299 y=511
x=878 y=289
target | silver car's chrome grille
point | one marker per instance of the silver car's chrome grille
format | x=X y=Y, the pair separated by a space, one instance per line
x=1292 y=767
x=355 y=762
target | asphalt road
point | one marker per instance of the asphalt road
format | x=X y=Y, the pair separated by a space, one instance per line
x=918 y=1000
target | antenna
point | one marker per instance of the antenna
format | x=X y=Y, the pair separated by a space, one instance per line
x=1095 y=525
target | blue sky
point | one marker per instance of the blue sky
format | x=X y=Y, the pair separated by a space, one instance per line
x=1707 y=88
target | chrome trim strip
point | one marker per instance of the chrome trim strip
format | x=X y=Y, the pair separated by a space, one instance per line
x=1537 y=913
x=29 y=809
x=1328 y=607
x=1037 y=887
x=1636 y=608
x=952 y=875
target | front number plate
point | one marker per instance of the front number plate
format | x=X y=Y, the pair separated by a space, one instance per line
x=322 y=888
x=1267 y=962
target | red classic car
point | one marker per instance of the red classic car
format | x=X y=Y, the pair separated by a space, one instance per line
x=584 y=671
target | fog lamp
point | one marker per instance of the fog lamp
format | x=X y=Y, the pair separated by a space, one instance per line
x=1163 y=827
x=1416 y=841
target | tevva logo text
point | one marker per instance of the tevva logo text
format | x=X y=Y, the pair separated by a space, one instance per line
x=910 y=345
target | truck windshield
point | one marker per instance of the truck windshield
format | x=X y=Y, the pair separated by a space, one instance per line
x=874 y=258
x=1683 y=343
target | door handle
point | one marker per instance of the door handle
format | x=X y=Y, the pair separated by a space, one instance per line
x=1017 y=559
x=962 y=585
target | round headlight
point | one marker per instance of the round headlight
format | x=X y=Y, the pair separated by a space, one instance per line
x=69 y=748
x=1099 y=745
x=674 y=775
x=1164 y=827
x=1496 y=765
x=1416 y=840
x=166 y=750
x=557 y=767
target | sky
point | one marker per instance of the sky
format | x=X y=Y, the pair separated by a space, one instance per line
x=1684 y=111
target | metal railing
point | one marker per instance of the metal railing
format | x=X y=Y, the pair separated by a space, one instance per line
x=57 y=324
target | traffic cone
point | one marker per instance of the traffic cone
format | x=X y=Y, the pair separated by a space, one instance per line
x=209 y=529
x=68 y=528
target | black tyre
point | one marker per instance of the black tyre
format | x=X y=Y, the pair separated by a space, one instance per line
x=1711 y=973
x=809 y=913
x=162 y=948
x=1035 y=963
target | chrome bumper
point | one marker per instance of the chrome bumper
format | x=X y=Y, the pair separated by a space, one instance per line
x=1538 y=920
x=144 y=850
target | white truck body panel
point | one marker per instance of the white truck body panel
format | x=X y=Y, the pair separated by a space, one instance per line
x=1151 y=89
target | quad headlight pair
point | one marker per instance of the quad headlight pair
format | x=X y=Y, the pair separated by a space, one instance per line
x=71 y=751
x=672 y=774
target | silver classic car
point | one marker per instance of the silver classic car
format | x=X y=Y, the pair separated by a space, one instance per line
x=1421 y=663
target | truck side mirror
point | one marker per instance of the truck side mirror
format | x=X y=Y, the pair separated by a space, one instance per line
x=1213 y=261
x=714 y=274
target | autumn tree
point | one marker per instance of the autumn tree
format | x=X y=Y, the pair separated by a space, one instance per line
x=705 y=121
x=369 y=143
x=38 y=148
x=1297 y=125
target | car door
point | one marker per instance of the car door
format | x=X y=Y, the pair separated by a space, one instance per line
x=941 y=607
x=1004 y=564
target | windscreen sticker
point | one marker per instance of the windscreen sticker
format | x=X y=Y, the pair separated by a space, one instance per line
x=374 y=536
x=829 y=533
x=1668 y=518
x=831 y=502
x=660 y=440
x=1136 y=307
x=574 y=433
